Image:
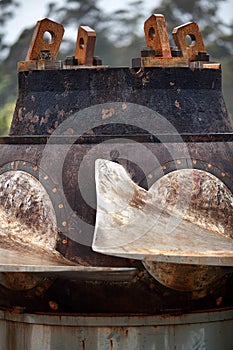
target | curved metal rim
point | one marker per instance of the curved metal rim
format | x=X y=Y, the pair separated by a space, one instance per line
x=122 y=320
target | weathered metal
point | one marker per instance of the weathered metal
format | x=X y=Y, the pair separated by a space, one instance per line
x=39 y=43
x=196 y=46
x=68 y=115
x=156 y=36
x=186 y=217
x=162 y=55
x=85 y=46
x=42 y=52
x=212 y=330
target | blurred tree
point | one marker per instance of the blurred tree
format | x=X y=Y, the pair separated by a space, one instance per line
x=6 y=12
x=8 y=70
x=4 y=117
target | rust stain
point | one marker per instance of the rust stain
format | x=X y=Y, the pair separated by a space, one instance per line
x=138 y=199
x=53 y=305
x=20 y=114
x=219 y=301
x=35 y=119
x=107 y=113
x=84 y=344
x=177 y=104
x=20 y=281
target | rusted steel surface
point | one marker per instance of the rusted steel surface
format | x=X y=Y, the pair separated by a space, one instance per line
x=192 y=30
x=85 y=46
x=187 y=99
x=188 y=52
x=156 y=36
x=38 y=43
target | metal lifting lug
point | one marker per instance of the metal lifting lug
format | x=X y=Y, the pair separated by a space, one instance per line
x=188 y=52
x=42 y=53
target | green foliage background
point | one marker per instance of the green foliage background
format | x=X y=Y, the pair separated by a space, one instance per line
x=119 y=38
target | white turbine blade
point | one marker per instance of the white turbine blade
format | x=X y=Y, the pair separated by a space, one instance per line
x=130 y=223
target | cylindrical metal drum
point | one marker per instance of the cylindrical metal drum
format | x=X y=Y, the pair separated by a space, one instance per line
x=197 y=331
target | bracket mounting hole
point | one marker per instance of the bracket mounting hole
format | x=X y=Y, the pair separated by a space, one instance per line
x=48 y=37
x=190 y=40
x=81 y=43
x=151 y=33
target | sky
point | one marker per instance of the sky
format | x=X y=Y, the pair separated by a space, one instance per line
x=31 y=11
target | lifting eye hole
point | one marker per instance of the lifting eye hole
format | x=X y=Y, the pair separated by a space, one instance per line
x=190 y=40
x=81 y=43
x=151 y=33
x=48 y=37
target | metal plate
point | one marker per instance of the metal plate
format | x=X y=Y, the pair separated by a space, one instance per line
x=20 y=261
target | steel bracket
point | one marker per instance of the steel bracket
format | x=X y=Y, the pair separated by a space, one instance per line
x=158 y=52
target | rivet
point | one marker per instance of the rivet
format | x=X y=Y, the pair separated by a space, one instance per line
x=54 y=190
x=194 y=161
x=35 y=168
x=46 y=177
x=150 y=176
x=223 y=174
x=60 y=206
x=64 y=223
x=209 y=165
x=178 y=161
